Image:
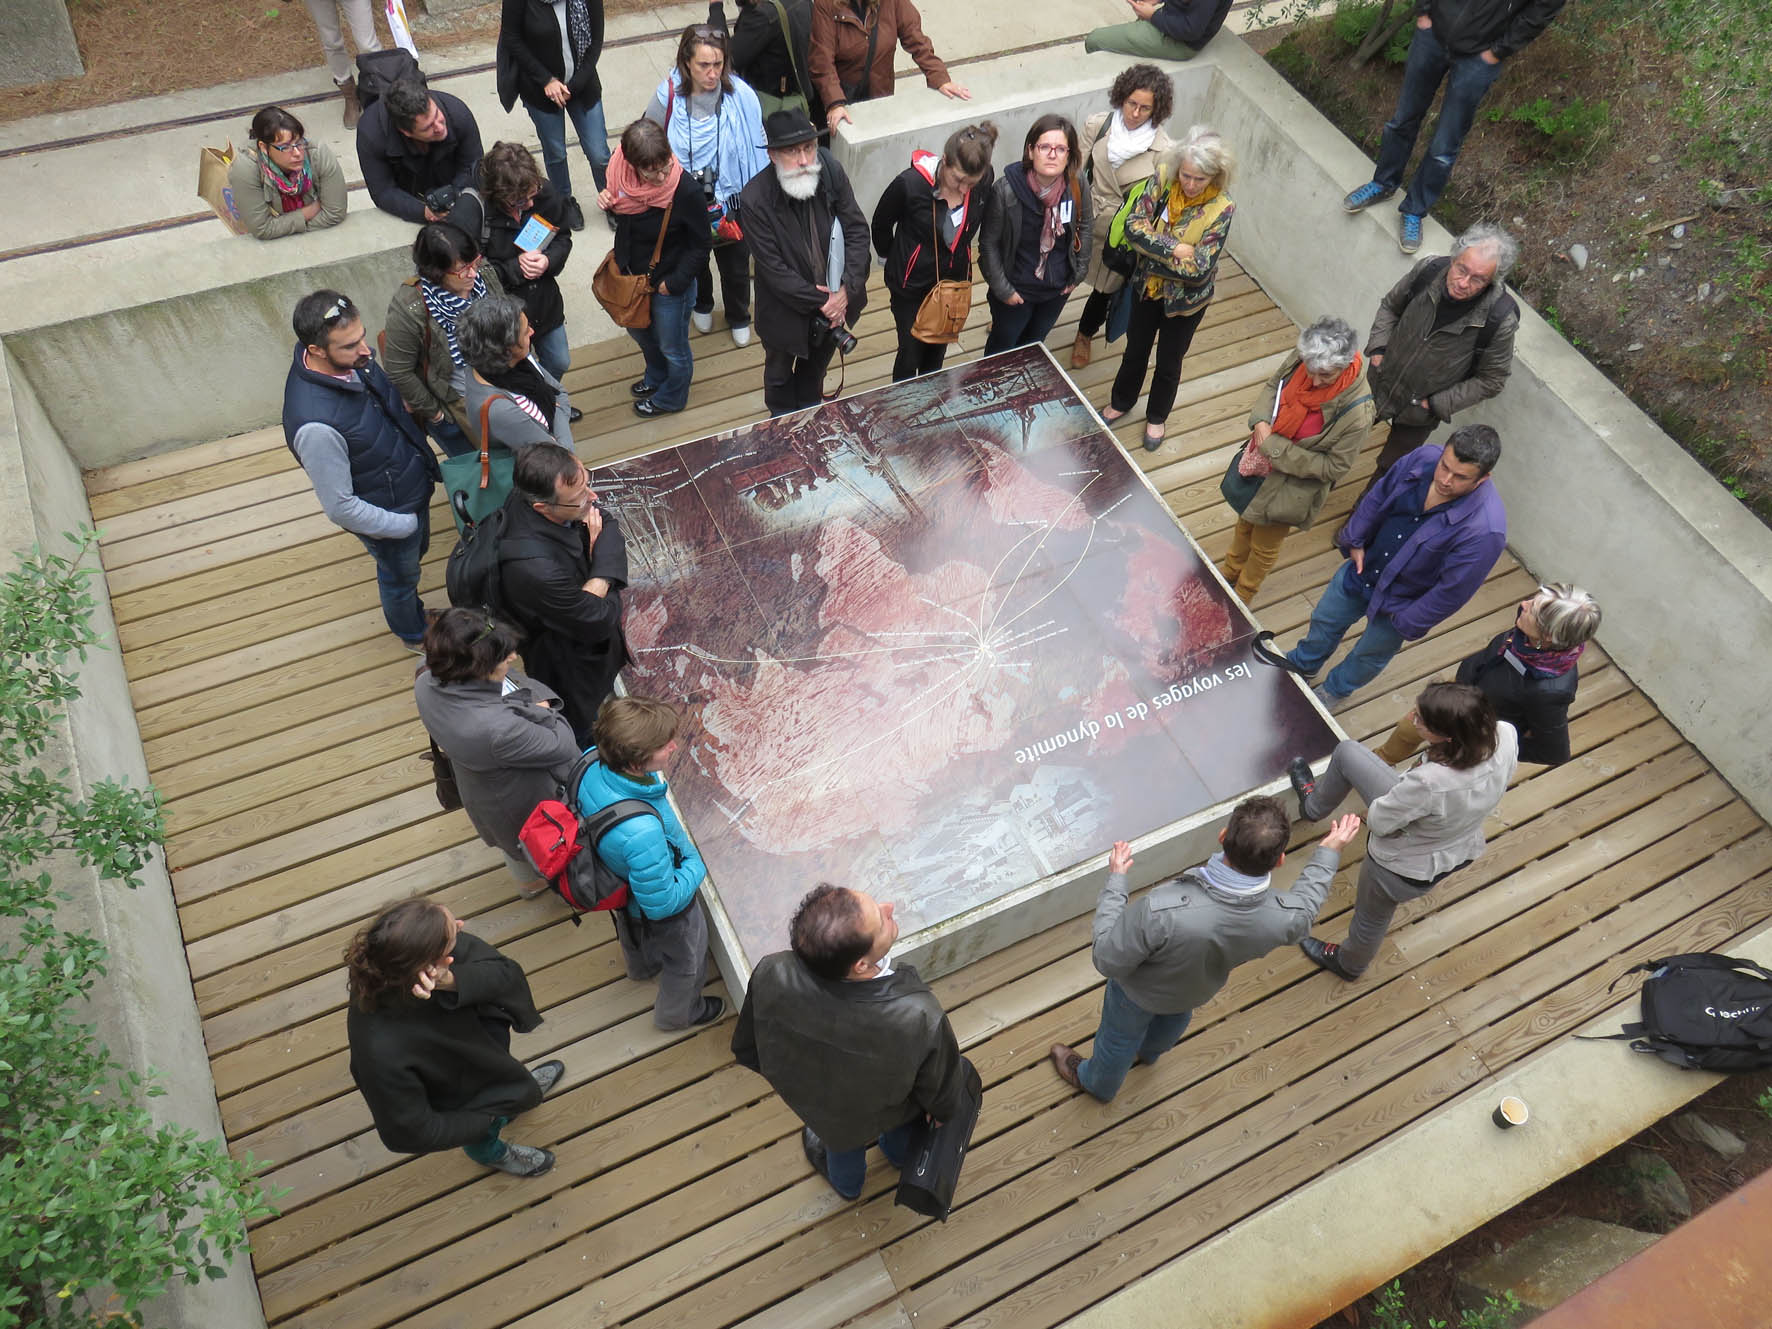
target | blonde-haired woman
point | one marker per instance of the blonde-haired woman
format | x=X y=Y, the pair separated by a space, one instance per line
x=1178 y=229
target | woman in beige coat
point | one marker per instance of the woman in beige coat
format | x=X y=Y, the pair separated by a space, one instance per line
x=1120 y=147
x=283 y=183
x=1308 y=425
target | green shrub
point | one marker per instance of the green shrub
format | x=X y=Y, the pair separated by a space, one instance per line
x=99 y=1206
x=1572 y=129
x=1352 y=24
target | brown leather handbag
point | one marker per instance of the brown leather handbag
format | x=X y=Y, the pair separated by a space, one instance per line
x=948 y=305
x=625 y=297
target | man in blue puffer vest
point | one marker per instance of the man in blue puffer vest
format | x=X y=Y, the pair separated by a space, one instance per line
x=662 y=931
x=365 y=455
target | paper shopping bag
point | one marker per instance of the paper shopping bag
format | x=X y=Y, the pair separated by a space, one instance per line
x=212 y=185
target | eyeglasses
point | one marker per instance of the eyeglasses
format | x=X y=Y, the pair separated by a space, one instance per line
x=1052 y=149
x=709 y=32
x=290 y=146
x=467 y=269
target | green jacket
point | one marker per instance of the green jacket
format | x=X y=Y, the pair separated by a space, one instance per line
x=415 y=352
x=1305 y=470
x=261 y=205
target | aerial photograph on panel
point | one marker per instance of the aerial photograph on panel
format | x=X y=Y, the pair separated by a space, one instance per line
x=938 y=641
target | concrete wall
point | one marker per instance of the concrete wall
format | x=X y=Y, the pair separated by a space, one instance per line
x=145 y=1011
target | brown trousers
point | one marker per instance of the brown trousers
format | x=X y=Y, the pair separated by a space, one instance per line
x=1253 y=551
x=1405 y=741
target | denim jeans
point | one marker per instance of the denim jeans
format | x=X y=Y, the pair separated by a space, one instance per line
x=846 y=1171
x=396 y=577
x=451 y=437
x=665 y=345
x=1343 y=604
x=1428 y=66
x=552 y=351
x=1022 y=324
x=1127 y=1031
x=593 y=137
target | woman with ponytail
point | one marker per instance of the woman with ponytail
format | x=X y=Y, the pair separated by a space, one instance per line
x=429 y=1026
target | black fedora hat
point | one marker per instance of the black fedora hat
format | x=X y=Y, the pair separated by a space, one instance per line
x=788 y=128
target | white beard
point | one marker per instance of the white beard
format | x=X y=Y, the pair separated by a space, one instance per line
x=800 y=182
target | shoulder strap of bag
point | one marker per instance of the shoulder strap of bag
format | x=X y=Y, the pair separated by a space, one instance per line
x=787 y=39
x=860 y=90
x=663 y=226
x=1326 y=428
x=486 y=436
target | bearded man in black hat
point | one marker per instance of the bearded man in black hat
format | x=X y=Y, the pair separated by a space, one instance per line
x=809 y=244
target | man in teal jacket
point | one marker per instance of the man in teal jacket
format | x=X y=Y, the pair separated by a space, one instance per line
x=662 y=931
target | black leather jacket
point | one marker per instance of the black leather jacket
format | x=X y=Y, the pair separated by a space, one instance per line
x=851 y=1059
x=1507 y=27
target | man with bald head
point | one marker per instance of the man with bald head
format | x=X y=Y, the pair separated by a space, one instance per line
x=860 y=1049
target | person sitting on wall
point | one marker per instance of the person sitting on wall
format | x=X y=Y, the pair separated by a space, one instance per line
x=418 y=150
x=1163 y=30
x=1171 y=949
x=851 y=53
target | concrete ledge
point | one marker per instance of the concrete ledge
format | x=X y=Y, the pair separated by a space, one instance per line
x=145 y=1011
x=1379 y=1214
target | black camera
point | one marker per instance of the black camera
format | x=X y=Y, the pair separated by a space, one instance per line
x=441 y=199
x=824 y=330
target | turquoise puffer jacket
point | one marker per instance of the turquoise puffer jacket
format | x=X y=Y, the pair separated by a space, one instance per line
x=663 y=882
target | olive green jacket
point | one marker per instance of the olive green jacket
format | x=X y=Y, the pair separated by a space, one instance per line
x=415 y=352
x=1306 y=469
x=261 y=205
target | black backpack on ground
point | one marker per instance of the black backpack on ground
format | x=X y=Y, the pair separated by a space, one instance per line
x=377 y=71
x=1704 y=1012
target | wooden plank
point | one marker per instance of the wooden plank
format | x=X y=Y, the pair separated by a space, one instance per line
x=128 y=473
x=221 y=515
x=143 y=515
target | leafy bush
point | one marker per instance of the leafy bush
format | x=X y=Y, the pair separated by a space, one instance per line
x=98 y=1204
x=1390 y=1311
x=1352 y=24
x=1572 y=129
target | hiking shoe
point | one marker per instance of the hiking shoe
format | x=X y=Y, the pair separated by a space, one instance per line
x=521 y=1160
x=548 y=1074
x=1365 y=196
x=1326 y=955
x=1304 y=784
x=712 y=1008
x=1408 y=232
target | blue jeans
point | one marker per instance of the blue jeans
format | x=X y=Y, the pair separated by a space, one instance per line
x=847 y=1171
x=593 y=137
x=451 y=437
x=1022 y=324
x=551 y=349
x=669 y=363
x=396 y=577
x=1127 y=1031
x=1343 y=604
x=1428 y=64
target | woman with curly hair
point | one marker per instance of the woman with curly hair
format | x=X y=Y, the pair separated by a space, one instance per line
x=429 y=1026
x=1121 y=147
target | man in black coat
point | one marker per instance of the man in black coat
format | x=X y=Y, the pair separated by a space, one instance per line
x=413 y=141
x=1462 y=44
x=859 y=1050
x=562 y=566
x=809 y=242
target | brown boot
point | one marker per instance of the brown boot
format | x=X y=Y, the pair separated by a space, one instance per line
x=1081 y=352
x=353 y=107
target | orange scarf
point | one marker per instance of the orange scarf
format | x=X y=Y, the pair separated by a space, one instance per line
x=1300 y=397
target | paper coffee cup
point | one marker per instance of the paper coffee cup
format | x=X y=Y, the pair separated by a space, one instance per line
x=1510 y=1112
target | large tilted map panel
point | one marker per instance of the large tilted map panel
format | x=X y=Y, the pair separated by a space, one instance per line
x=937 y=641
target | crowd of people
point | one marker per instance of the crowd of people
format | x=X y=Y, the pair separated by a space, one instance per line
x=723 y=171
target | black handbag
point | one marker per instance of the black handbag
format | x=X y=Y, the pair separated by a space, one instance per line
x=443 y=772
x=932 y=1169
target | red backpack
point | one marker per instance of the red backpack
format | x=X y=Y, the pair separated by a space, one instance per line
x=562 y=846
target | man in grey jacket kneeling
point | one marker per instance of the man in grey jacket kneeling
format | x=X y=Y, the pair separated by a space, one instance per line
x=860 y=1049
x=1173 y=948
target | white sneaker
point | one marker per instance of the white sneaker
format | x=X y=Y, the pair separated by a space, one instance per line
x=703 y=322
x=741 y=335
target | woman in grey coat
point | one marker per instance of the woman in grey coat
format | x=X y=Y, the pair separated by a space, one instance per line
x=528 y=404
x=504 y=733
x=1423 y=824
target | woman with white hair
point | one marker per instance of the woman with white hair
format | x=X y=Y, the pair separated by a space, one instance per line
x=1308 y=425
x=1177 y=229
x=1528 y=673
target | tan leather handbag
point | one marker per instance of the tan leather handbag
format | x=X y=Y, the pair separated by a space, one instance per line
x=945 y=309
x=627 y=297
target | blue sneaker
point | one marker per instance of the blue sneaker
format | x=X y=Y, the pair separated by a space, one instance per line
x=1365 y=196
x=1409 y=233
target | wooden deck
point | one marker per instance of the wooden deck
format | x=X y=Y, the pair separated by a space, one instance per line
x=276 y=713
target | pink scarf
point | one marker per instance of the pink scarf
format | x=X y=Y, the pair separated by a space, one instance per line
x=634 y=195
x=1050 y=225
